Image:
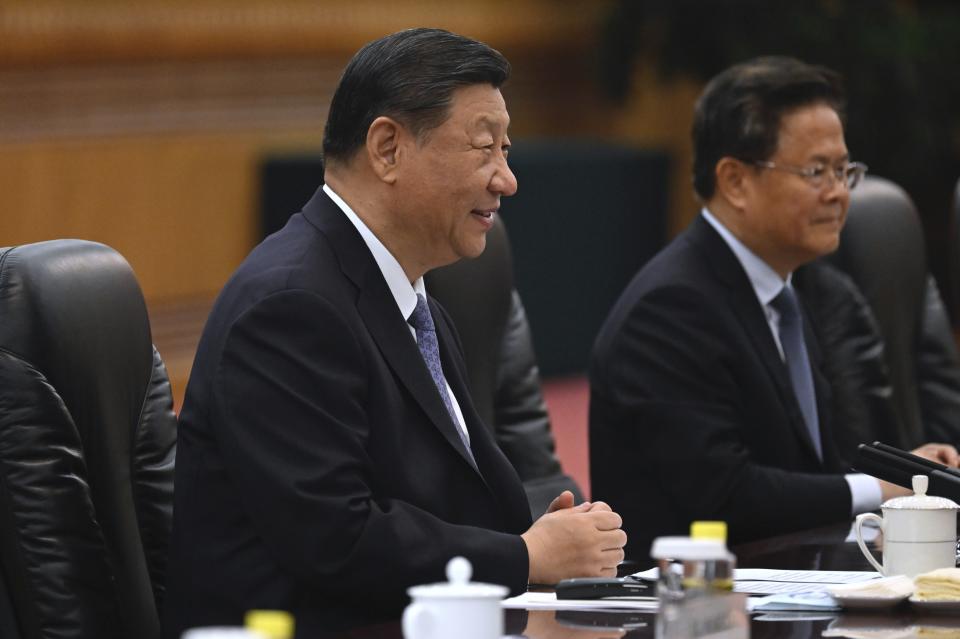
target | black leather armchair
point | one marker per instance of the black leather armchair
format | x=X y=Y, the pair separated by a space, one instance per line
x=882 y=250
x=87 y=447
x=503 y=375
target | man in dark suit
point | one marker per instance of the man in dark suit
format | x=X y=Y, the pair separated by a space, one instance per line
x=329 y=453
x=707 y=400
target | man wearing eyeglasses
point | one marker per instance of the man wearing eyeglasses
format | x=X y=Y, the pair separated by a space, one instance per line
x=706 y=397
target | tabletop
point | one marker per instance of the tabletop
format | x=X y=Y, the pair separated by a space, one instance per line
x=817 y=549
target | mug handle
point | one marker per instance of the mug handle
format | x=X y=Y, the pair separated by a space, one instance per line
x=858 y=530
x=417 y=622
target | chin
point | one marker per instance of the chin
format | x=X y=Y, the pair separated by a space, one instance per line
x=472 y=249
x=825 y=248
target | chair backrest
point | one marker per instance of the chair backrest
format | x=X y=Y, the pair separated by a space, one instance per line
x=882 y=248
x=87 y=445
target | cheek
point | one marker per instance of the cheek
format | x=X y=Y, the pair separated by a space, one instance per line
x=845 y=204
x=806 y=210
x=796 y=226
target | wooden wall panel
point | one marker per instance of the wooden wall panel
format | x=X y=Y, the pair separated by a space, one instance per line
x=181 y=209
x=44 y=31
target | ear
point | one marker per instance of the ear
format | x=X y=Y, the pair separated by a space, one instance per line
x=733 y=181
x=383 y=142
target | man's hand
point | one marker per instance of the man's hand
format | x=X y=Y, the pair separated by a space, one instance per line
x=941 y=453
x=565 y=500
x=889 y=491
x=562 y=501
x=574 y=541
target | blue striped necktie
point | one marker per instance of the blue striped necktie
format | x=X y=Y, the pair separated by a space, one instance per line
x=798 y=361
x=422 y=322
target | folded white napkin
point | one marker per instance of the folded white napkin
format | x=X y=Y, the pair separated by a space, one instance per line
x=942 y=584
x=886 y=588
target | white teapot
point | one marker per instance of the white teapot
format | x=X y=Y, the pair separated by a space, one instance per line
x=455 y=609
x=919 y=533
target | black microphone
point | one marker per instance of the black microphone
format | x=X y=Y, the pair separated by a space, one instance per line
x=869 y=463
x=898 y=467
x=920 y=460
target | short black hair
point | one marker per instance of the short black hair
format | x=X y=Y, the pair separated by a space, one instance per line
x=409 y=76
x=739 y=112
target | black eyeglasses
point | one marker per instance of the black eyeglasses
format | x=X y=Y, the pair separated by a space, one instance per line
x=821 y=175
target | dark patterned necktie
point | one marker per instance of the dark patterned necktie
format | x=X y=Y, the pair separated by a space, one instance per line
x=798 y=361
x=422 y=322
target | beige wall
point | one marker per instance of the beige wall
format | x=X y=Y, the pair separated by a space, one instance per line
x=178 y=207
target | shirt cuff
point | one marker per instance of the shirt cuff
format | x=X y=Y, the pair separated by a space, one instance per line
x=865 y=493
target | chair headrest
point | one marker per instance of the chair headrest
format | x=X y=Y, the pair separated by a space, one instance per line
x=882 y=244
x=74 y=310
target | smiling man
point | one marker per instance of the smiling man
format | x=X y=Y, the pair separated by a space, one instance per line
x=329 y=455
x=706 y=397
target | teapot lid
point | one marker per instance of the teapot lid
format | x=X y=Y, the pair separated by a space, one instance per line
x=920 y=500
x=458 y=585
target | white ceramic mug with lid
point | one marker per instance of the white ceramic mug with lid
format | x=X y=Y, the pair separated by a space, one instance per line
x=919 y=533
x=457 y=608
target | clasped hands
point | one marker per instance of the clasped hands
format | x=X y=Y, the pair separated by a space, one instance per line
x=583 y=540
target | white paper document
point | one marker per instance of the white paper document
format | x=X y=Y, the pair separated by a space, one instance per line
x=549 y=601
x=765 y=581
x=777 y=587
x=808 y=601
x=804 y=576
x=768 y=581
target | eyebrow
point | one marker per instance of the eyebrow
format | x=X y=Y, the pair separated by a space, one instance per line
x=822 y=159
x=492 y=122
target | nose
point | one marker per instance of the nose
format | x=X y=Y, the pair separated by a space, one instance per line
x=504 y=182
x=837 y=190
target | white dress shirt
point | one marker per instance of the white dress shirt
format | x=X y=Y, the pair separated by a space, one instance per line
x=404 y=293
x=865 y=491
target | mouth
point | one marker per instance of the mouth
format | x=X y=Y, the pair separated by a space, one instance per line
x=830 y=220
x=485 y=214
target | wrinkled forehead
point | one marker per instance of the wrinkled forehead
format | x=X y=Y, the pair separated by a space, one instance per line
x=814 y=131
x=479 y=107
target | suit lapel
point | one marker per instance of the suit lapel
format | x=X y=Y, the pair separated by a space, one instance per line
x=480 y=439
x=494 y=467
x=746 y=307
x=380 y=314
x=831 y=456
x=389 y=330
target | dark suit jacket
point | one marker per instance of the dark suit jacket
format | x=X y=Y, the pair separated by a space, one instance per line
x=853 y=363
x=318 y=470
x=856 y=365
x=692 y=415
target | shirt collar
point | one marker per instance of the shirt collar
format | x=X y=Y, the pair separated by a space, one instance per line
x=404 y=293
x=766 y=283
